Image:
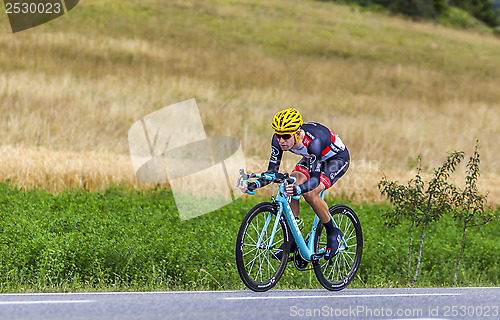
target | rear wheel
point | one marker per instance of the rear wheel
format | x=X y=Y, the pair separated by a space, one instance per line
x=257 y=265
x=337 y=273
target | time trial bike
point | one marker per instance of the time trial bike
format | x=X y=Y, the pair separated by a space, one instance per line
x=268 y=228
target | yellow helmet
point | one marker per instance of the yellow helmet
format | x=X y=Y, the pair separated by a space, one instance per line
x=288 y=120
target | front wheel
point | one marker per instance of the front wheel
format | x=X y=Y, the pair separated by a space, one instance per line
x=257 y=264
x=337 y=273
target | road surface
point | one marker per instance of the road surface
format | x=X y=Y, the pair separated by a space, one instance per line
x=412 y=303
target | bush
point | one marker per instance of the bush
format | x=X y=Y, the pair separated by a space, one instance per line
x=483 y=10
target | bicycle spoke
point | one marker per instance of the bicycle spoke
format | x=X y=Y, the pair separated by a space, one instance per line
x=337 y=269
x=250 y=251
x=349 y=255
x=251 y=267
x=259 y=253
x=350 y=236
x=344 y=266
x=269 y=265
x=262 y=254
x=331 y=273
x=340 y=275
x=276 y=242
x=251 y=238
x=250 y=245
x=255 y=259
x=256 y=228
x=347 y=264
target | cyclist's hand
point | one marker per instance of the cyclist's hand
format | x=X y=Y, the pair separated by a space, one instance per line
x=248 y=188
x=293 y=190
x=244 y=188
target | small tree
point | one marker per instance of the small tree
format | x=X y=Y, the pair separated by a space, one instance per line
x=468 y=203
x=436 y=200
x=419 y=204
x=404 y=199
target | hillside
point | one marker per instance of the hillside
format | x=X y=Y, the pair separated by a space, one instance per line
x=390 y=87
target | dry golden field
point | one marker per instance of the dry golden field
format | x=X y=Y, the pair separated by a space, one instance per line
x=391 y=88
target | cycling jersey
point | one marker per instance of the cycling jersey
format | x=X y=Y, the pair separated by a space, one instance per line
x=325 y=154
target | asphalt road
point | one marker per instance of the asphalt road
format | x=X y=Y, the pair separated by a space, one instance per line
x=418 y=303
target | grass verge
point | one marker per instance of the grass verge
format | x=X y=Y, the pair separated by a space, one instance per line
x=119 y=239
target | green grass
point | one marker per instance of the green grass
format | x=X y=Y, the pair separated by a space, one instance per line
x=119 y=239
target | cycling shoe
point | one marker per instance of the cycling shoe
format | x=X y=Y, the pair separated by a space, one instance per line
x=333 y=244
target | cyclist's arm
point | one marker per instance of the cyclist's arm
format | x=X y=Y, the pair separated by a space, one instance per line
x=275 y=158
x=272 y=168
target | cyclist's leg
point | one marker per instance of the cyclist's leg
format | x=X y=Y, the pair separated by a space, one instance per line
x=301 y=173
x=295 y=203
x=332 y=170
x=319 y=205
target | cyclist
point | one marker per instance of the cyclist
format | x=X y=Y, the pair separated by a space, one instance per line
x=324 y=160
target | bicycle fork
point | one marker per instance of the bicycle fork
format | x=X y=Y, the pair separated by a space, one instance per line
x=270 y=245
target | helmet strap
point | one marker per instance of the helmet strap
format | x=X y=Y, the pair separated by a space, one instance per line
x=296 y=136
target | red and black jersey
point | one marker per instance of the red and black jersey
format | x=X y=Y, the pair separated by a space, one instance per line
x=319 y=144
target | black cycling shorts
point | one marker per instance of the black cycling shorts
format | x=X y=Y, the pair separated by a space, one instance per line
x=332 y=169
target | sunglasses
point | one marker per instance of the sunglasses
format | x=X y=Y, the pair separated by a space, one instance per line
x=283 y=136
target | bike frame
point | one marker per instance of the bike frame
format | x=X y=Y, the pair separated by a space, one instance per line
x=306 y=248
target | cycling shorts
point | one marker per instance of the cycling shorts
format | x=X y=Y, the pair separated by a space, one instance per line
x=332 y=169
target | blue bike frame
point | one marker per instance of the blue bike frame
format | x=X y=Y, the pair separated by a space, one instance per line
x=306 y=249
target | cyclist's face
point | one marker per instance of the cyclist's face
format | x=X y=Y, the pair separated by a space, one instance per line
x=286 y=140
